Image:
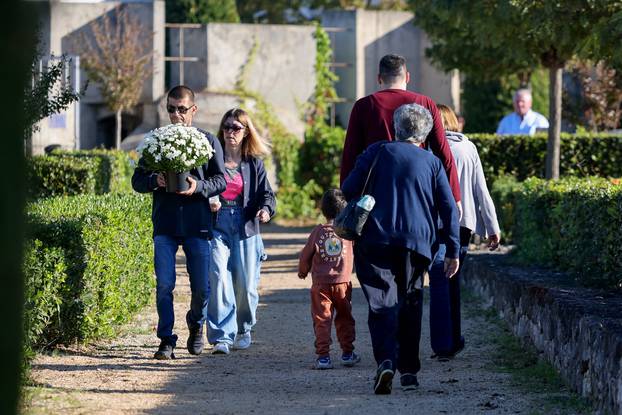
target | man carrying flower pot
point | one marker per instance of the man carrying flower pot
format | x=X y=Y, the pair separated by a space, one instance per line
x=182 y=218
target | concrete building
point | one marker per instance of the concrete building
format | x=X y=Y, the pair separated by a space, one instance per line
x=362 y=37
x=281 y=71
x=277 y=60
x=62 y=23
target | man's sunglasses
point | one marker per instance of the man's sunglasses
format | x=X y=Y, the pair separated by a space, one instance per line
x=181 y=109
x=232 y=127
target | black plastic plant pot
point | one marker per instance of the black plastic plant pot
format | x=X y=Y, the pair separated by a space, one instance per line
x=176 y=182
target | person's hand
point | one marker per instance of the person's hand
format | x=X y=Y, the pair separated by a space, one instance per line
x=302 y=276
x=493 y=241
x=161 y=180
x=451 y=266
x=193 y=187
x=459 y=206
x=263 y=216
x=214 y=203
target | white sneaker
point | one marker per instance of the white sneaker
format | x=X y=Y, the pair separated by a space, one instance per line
x=221 y=348
x=242 y=341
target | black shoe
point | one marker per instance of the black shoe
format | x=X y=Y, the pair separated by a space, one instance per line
x=409 y=381
x=165 y=351
x=459 y=348
x=384 y=378
x=195 y=339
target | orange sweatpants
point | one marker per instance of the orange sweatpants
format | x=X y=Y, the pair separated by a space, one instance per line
x=327 y=299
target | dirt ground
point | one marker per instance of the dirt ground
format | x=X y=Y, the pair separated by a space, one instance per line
x=274 y=375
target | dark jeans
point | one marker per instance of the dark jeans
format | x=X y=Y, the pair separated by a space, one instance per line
x=197 y=252
x=445 y=325
x=391 y=278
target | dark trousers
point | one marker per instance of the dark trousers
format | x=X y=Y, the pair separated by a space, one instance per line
x=392 y=281
x=445 y=320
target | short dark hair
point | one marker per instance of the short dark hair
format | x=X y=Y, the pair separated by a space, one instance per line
x=333 y=202
x=180 y=92
x=390 y=67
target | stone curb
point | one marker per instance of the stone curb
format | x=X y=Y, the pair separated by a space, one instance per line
x=578 y=330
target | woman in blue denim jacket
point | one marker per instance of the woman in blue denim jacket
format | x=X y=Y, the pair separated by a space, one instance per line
x=237 y=248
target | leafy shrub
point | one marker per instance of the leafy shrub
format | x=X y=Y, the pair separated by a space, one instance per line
x=45 y=273
x=320 y=155
x=572 y=224
x=79 y=172
x=503 y=194
x=101 y=247
x=524 y=156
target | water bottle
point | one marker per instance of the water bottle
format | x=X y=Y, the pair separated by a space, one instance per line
x=366 y=202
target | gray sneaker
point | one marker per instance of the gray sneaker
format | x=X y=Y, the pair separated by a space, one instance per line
x=221 y=348
x=350 y=359
x=242 y=341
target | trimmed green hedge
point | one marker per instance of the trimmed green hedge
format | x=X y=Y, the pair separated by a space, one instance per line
x=571 y=224
x=64 y=173
x=89 y=266
x=524 y=156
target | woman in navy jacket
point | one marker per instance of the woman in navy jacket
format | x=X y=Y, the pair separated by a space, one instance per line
x=400 y=240
x=237 y=247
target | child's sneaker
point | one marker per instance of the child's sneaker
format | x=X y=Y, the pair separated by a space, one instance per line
x=323 y=363
x=350 y=359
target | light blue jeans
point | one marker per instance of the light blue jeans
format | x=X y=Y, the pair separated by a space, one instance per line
x=234 y=277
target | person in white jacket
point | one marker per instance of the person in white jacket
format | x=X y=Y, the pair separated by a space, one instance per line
x=478 y=216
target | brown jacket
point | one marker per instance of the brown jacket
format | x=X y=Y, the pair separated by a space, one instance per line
x=328 y=257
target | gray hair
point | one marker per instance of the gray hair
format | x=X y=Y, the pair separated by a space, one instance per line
x=523 y=91
x=412 y=122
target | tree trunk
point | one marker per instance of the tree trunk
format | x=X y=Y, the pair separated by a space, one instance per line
x=555 y=122
x=18 y=42
x=118 y=130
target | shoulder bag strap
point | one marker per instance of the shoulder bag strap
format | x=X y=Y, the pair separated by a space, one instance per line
x=373 y=164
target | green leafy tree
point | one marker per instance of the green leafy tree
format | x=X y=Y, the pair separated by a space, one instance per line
x=490 y=39
x=48 y=93
x=202 y=11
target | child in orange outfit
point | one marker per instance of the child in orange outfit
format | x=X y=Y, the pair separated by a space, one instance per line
x=329 y=259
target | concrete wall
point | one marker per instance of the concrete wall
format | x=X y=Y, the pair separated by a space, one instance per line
x=368 y=36
x=282 y=71
x=63 y=22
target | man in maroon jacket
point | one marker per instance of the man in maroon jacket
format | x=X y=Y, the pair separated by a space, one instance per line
x=371 y=120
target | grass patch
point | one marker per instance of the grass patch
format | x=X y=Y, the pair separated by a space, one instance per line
x=522 y=362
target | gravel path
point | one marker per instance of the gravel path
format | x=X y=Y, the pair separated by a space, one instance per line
x=274 y=375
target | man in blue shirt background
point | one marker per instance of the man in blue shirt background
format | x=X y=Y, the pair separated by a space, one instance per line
x=523 y=120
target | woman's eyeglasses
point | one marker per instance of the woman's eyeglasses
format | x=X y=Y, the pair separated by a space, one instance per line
x=181 y=109
x=232 y=127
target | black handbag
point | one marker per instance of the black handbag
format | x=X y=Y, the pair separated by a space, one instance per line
x=350 y=221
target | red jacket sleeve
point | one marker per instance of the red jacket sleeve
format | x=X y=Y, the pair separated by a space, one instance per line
x=305 y=260
x=354 y=143
x=440 y=147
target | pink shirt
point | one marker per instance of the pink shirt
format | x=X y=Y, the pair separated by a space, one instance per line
x=235 y=186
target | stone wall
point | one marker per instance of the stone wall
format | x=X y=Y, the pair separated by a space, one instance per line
x=364 y=37
x=578 y=330
x=282 y=71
